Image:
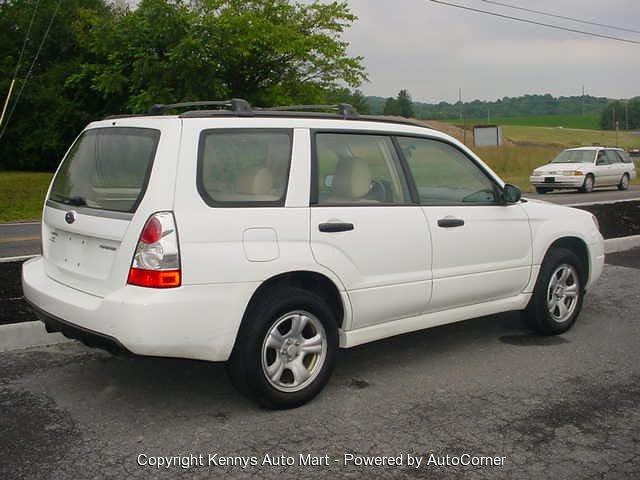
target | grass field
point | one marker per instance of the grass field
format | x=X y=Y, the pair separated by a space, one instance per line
x=569 y=137
x=22 y=195
x=591 y=122
x=515 y=163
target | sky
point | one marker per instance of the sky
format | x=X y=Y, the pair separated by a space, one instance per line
x=433 y=50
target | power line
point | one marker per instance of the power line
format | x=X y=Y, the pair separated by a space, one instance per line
x=533 y=22
x=563 y=17
x=28 y=75
x=26 y=39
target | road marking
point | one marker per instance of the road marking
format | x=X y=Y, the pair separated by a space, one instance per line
x=18 y=224
x=19 y=239
x=17 y=259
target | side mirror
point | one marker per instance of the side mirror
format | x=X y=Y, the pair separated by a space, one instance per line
x=511 y=193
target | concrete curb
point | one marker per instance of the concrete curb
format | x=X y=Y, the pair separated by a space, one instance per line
x=27 y=334
x=621 y=244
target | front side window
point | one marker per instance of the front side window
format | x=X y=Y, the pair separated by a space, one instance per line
x=445 y=175
x=244 y=166
x=107 y=169
x=358 y=169
x=602 y=158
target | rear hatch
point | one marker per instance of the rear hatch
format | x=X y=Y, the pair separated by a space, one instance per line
x=93 y=204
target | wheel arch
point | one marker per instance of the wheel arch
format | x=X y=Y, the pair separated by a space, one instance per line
x=578 y=246
x=312 y=281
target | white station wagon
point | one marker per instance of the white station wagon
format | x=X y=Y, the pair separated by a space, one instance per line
x=585 y=168
x=268 y=239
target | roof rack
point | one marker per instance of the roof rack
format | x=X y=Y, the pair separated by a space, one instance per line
x=237 y=105
x=345 y=110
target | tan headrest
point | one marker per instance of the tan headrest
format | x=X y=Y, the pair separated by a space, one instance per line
x=352 y=178
x=254 y=181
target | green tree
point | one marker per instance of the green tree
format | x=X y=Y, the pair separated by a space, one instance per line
x=268 y=51
x=104 y=57
x=619 y=112
x=45 y=114
x=391 y=107
x=355 y=98
x=404 y=103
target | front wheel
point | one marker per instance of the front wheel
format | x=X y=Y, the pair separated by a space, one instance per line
x=624 y=182
x=558 y=294
x=542 y=190
x=286 y=349
x=587 y=186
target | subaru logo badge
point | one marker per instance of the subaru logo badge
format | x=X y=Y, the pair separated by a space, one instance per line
x=70 y=216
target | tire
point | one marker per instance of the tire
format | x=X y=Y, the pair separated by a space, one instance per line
x=270 y=339
x=542 y=190
x=587 y=186
x=624 y=182
x=539 y=314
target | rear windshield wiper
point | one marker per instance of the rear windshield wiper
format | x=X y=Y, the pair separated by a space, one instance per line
x=75 y=201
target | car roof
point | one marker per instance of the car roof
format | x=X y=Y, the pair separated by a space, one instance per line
x=594 y=148
x=314 y=121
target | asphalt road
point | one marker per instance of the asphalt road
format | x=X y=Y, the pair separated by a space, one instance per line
x=17 y=239
x=570 y=197
x=563 y=407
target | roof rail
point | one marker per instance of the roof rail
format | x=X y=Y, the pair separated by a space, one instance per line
x=345 y=110
x=237 y=105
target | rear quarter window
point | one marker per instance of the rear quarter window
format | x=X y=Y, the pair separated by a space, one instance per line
x=107 y=169
x=238 y=167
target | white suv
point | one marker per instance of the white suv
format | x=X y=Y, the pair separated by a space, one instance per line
x=585 y=168
x=268 y=239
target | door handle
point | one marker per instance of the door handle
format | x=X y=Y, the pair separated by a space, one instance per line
x=331 y=227
x=450 y=222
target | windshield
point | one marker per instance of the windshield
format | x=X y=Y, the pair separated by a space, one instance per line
x=107 y=169
x=575 y=156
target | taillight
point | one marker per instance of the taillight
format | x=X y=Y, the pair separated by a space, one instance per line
x=156 y=262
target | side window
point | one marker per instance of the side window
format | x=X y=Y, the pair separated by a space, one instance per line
x=244 y=166
x=358 y=169
x=612 y=156
x=443 y=174
x=602 y=158
x=625 y=158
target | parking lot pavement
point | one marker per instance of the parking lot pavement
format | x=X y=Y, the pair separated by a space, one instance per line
x=554 y=407
x=570 y=197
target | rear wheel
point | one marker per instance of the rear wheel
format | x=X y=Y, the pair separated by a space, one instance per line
x=558 y=294
x=285 y=352
x=587 y=186
x=624 y=182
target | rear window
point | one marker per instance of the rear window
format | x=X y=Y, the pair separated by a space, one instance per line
x=244 y=167
x=107 y=169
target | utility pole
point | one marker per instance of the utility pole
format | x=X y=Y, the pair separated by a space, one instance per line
x=6 y=102
x=626 y=115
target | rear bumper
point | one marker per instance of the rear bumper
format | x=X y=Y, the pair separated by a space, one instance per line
x=194 y=321
x=88 y=337
x=560 y=181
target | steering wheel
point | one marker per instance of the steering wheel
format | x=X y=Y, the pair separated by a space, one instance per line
x=378 y=191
